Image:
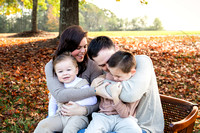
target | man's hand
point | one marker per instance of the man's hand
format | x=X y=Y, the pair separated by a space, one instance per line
x=72 y=108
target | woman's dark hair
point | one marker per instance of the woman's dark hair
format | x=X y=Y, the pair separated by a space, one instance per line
x=98 y=43
x=69 y=41
x=122 y=60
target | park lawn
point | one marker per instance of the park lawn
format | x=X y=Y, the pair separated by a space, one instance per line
x=125 y=33
x=142 y=33
x=23 y=91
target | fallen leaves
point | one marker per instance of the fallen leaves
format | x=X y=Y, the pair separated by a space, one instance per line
x=23 y=91
x=23 y=85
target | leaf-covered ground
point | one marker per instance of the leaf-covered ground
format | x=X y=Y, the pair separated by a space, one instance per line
x=23 y=91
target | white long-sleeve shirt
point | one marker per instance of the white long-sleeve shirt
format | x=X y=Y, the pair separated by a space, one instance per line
x=84 y=102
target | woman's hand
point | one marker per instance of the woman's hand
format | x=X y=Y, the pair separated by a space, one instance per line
x=98 y=81
x=100 y=87
x=72 y=108
x=101 y=90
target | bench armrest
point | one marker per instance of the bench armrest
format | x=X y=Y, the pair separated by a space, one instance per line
x=186 y=122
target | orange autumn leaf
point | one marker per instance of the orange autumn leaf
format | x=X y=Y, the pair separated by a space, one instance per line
x=17 y=72
x=24 y=93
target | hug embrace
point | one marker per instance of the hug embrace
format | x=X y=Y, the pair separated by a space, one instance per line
x=100 y=88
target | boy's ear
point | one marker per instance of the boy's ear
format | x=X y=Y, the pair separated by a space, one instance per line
x=133 y=71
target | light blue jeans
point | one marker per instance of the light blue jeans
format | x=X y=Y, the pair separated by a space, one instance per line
x=83 y=131
x=107 y=123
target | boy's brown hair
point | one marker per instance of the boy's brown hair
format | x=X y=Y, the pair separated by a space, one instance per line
x=122 y=60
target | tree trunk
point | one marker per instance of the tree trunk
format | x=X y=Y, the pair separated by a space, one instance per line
x=34 y=16
x=68 y=14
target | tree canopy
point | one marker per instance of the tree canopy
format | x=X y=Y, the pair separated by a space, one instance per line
x=16 y=6
x=90 y=17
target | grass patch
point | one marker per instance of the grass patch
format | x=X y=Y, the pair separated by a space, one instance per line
x=118 y=33
x=141 y=33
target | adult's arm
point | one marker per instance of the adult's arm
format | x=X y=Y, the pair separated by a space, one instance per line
x=62 y=94
x=137 y=86
x=87 y=101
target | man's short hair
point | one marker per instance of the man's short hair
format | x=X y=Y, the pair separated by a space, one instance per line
x=99 y=43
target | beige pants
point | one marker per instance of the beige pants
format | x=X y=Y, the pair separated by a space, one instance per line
x=59 y=123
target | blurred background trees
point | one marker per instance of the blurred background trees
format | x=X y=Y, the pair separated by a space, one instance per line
x=91 y=18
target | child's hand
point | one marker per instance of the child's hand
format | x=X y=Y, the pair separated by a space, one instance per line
x=116 y=89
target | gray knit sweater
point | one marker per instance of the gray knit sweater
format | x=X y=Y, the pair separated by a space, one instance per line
x=142 y=85
x=62 y=95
